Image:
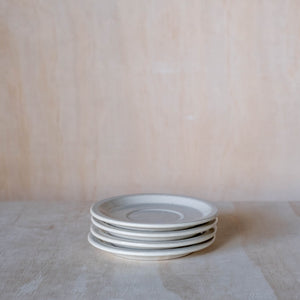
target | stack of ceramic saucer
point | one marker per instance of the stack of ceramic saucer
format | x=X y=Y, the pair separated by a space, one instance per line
x=152 y=226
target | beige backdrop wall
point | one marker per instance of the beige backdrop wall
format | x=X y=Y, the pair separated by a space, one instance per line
x=109 y=97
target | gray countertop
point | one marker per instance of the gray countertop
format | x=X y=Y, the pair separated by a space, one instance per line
x=45 y=255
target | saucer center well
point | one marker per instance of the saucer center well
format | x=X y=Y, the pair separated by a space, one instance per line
x=154 y=215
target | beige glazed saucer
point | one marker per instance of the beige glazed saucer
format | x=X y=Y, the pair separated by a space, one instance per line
x=129 y=243
x=154 y=235
x=153 y=211
x=147 y=254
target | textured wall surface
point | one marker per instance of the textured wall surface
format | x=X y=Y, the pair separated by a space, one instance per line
x=99 y=98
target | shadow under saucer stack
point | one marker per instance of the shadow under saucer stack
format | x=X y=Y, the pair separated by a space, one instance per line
x=152 y=226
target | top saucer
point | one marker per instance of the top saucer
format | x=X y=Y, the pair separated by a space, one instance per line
x=153 y=211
